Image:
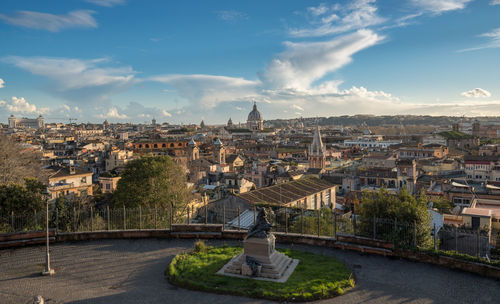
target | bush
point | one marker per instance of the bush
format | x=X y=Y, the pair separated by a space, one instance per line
x=200 y=247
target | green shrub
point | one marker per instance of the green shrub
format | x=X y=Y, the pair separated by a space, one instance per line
x=200 y=247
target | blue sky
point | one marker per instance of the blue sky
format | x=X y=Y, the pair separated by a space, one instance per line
x=184 y=61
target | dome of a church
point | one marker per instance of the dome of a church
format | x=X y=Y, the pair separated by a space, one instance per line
x=255 y=114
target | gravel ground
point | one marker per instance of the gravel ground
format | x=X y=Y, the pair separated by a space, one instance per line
x=132 y=271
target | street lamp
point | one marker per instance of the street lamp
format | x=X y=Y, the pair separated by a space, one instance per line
x=48 y=271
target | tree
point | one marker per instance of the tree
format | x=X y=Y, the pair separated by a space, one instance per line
x=152 y=181
x=62 y=217
x=18 y=163
x=19 y=198
x=442 y=204
x=402 y=208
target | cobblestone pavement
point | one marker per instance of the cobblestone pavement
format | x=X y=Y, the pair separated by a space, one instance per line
x=132 y=271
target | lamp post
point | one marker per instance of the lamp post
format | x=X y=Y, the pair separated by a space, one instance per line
x=48 y=271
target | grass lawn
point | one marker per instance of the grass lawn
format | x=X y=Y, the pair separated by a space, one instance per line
x=316 y=276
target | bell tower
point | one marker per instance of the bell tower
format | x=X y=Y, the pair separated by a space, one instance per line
x=317 y=151
x=219 y=152
x=193 y=151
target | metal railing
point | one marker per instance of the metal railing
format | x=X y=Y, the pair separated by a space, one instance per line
x=323 y=222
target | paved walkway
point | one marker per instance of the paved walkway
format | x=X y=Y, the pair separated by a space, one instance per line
x=132 y=271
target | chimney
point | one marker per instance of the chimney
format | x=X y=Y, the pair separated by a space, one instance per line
x=72 y=170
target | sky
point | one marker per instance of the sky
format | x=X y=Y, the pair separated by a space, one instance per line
x=187 y=61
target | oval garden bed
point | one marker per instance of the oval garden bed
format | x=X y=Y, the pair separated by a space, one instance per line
x=316 y=276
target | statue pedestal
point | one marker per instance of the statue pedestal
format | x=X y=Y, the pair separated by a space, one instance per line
x=260 y=255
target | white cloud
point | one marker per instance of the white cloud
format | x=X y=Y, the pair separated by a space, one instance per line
x=318 y=10
x=495 y=2
x=231 y=15
x=476 y=93
x=2 y=83
x=21 y=106
x=440 y=6
x=113 y=113
x=290 y=80
x=494 y=36
x=209 y=90
x=303 y=63
x=107 y=3
x=165 y=113
x=77 y=79
x=335 y=19
x=494 y=41
x=51 y=22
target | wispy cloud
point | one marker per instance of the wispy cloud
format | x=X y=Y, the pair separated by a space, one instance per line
x=107 y=3
x=440 y=6
x=231 y=15
x=51 y=22
x=495 y=2
x=493 y=41
x=303 y=63
x=77 y=79
x=335 y=19
x=476 y=93
x=2 y=83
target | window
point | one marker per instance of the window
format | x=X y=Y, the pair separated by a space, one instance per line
x=84 y=180
x=108 y=186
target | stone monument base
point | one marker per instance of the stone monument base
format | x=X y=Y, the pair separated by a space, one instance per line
x=260 y=260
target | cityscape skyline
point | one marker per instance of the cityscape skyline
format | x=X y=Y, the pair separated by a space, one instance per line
x=131 y=61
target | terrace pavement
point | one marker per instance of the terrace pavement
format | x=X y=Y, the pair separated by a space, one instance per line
x=132 y=271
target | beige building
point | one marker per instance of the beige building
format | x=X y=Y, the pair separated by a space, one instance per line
x=26 y=123
x=108 y=184
x=308 y=193
x=379 y=160
x=69 y=181
x=118 y=158
x=482 y=213
x=422 y=151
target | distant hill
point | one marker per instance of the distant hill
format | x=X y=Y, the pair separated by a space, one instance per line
x=372 y=120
